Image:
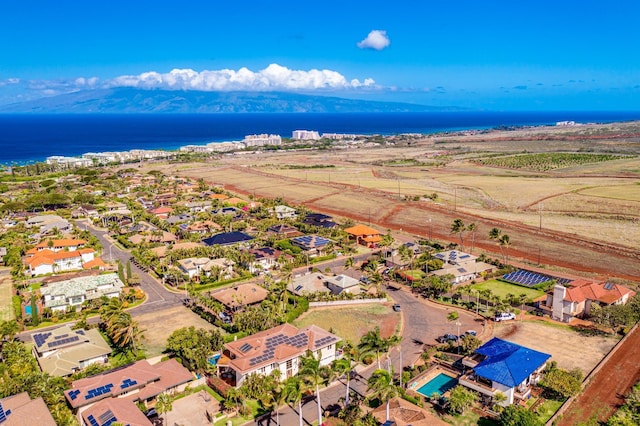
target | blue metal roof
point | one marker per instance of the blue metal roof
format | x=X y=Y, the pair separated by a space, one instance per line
x=507 y=363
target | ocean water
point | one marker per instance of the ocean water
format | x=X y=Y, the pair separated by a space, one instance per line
x=26 y=138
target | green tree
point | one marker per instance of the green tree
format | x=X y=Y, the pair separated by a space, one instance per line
x=469 y=343
x=129 y=275
x=343 y=366
x=194 y=346
x=561 y=382
x=382 y=387
x=472 y=228
x=518 y=416
x=460 y=399
x=35 y=315
x=164 y=405
x=8 y=329
x=121 y=272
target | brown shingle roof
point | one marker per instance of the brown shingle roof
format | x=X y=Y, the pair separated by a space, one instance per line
x=246 y=294
x=26 y=411
x=124 y=411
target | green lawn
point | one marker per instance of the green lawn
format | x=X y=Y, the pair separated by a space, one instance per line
x=501 y=288
x=547 y=409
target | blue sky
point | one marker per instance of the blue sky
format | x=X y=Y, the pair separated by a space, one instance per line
x=496 y=55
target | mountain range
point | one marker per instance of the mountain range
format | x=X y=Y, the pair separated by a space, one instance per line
x=133 y=100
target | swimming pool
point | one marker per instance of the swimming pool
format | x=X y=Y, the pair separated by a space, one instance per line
x=439 y=384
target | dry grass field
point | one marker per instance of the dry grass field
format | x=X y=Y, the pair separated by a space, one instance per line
x=353 y=321
x=568 y=348
x=6 y=292
x=158 y=327
x=590 y=213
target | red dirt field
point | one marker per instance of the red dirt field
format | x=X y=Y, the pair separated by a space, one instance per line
x=604 y=394
x=542 y=246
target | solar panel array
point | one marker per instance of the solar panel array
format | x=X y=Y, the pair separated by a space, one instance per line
x=104 y=419
x=608 y=286
x=74 y=394
x=298 y=341
x=244 y=348
x=530 y=279
x=127 y=383
x=62 y=336
x=61 y=342
x=3 y=414
x=80 y=332
x=40 y=338
x=102 y=390
x=311 y=241
x=325 y=341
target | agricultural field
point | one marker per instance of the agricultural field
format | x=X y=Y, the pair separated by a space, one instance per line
x=353 y=321
x=502 y=289
x=543 y=162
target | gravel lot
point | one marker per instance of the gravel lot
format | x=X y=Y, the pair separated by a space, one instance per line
x=568 y=348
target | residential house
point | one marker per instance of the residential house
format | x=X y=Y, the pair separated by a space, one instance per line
x=576 y=298
x=284 y=231
x=284 y=212
x=227 y=238
x=20 y=410
x=462 y=266
x=320 y=220
x=48 y=262
x=138 y=382
x=88 y=211
x=308 y=284
x=365 y=235
x=235 y=298
x=230 y=210
x=266 y=258
x=73 y=292
x=312 y=245
x=161 y=212
x=278 y=348
x=63 y=351
x=165 y=199
x=146 y=204
x=505 y=367
x=165 y=238
x=343 y=284
x=201 y=227
x=179 y=218
x=112 y=410
x=162 y=251
x=405 y=413
x=59 y=245
x=218 y=197
x=198 y=206
x=48 y=223
x=196 y=266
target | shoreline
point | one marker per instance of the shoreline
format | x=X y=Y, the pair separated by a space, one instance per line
x=149 y=138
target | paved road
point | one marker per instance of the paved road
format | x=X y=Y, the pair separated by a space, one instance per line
x=158 y=297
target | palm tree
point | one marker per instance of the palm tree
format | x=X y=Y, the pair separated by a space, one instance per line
x=372 y=342
x=504 y=241
x=381 y=383
x=472 y=228
x=292 y=390
x=343 y=366
x=164 y=404
x=313 y=372
x=458 y=227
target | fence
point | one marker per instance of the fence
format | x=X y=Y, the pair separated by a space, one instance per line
x=346 y=302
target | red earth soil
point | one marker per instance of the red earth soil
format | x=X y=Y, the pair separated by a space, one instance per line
x=605 y=392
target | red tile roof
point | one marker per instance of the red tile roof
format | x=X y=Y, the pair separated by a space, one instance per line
x=608 y=293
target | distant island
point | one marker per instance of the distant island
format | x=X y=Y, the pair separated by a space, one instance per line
x=132 y=100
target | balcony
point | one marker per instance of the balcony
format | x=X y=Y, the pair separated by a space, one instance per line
x=470 y=381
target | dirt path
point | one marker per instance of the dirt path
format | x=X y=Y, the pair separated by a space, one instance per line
x=604 y=394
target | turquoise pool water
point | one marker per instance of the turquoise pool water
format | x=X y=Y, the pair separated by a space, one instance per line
x=213 y=360
x=439 y=384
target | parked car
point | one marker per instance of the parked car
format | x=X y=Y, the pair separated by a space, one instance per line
x=396 y=307
x=505 y=316
x=151 y=413
x=469 y=332
x=364 y=280
x=447 y=338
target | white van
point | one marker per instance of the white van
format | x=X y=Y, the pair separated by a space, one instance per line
x=505 y=316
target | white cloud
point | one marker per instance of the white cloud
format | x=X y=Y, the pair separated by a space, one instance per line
x=377 y=39
x=273 y=77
